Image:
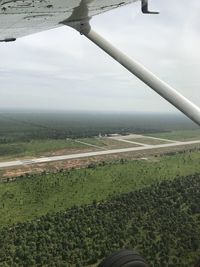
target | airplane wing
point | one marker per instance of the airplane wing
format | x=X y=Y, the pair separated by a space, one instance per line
x=23 y=17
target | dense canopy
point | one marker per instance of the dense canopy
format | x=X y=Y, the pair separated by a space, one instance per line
x=160 y=221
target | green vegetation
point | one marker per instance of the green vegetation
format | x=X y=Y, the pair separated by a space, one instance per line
x=161 y=222
x=36 y=147
x=93 y=141
x=39 y=147
x=105 y=142
x=27 y=134
x=77 y=217
x=36 y=195
x=26 y=126
x=182 y=135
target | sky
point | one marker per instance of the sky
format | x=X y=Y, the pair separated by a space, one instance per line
x=61 y=70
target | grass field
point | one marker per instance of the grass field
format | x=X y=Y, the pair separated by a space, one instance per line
x=37 y=148
x=42 y=147
x=39 y=194
x=148 y=141
x=49 y=146
x=182 y=135
x=93 y=141
x=112 y=144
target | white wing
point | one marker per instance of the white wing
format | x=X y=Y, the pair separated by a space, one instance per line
x=22 y=17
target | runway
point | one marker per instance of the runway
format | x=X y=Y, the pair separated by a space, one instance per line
x=91 y=154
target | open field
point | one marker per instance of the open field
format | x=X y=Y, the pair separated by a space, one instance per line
x=182 y=135
x=38 y=148
x=96 y=141
x=28 y=152
x=114 y=144
x=149 y=141
x=51 y=147
x=143 y=139
x=36 y=195
x=105 y=143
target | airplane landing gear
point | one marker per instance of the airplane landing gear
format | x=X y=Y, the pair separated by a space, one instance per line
x=124 y=258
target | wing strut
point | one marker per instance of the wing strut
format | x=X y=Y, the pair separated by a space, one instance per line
x=159 y=86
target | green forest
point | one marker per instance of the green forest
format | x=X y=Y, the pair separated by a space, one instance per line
x=161 y=221
x=25 y=126
x=35 y=195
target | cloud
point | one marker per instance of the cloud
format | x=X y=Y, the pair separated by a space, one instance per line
x=61 y=69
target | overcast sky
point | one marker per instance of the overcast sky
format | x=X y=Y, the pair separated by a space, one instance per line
x=60 y=69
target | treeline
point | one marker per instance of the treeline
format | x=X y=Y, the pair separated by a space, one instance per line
x=162 y=222
x=24 y=127
x=48 y=133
